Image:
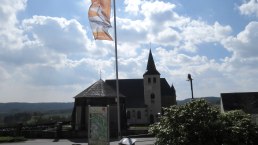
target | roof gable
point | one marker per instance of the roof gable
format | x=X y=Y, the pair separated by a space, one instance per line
x=246 y=101
x=98 y=89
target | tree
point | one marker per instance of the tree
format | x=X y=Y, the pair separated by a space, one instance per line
x=198 y=123
x=238 y=129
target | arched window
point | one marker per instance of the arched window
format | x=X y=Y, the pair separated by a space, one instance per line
x=133 y=113
x=128 y=114
x=149 y=80
x=139 y=115
x=154 y=80
x=152 y=98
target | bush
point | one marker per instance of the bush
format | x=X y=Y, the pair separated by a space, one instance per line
x=198 y=123
x=238 y=129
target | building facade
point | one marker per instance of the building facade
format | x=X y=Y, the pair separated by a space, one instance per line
x=245 y=101
x=141 y=100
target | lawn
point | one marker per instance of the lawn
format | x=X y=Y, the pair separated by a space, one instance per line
x=11 y=139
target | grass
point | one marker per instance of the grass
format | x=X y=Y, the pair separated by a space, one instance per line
x=138 y=127
x=11 y=139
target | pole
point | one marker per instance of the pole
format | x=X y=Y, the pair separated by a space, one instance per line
x=190 y=79
x=117 y=84
x=191 y=87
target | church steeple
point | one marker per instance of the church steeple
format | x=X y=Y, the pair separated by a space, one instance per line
x=151 y=68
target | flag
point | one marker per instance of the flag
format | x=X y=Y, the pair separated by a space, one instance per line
x=99 y=17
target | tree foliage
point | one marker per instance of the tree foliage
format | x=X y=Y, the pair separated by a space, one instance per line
x=238 y=129
x=198 y=123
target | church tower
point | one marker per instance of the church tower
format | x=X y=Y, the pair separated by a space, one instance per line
x=152 y=90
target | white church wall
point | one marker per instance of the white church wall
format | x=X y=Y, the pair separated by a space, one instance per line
x=136 y=116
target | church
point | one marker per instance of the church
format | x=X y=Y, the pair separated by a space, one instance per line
x=141 y=100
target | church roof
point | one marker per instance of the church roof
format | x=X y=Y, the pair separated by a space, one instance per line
x=133 y=89
x=98 y=89
x=246 y=101
x=151 y=68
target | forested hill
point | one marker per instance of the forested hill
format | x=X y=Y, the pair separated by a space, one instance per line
x=212 y=100
x=34 y=107
x=44 y=107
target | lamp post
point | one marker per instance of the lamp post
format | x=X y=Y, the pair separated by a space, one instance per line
x=190 y=79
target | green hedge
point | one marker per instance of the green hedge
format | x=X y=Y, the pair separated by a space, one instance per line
x=11 y=139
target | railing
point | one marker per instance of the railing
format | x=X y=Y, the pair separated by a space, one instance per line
x=47 y=130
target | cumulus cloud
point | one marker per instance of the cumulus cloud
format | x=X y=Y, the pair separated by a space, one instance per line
x=58 y=34
x=249 y=7
x=10 y=35
x=55 y=57
x=132 y=6
x=162 y=25
x=244 y=45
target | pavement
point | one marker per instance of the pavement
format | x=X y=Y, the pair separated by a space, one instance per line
x=139 y=141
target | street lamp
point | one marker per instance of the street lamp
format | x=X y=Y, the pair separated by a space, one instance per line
x=190 y=79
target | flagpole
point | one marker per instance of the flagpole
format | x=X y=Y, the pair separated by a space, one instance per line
x=117 y=84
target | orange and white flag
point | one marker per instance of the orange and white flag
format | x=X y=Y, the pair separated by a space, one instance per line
x=99 y=17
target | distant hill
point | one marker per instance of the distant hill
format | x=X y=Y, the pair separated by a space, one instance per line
x=6 y=108
x=34 y=107
x=212 y=100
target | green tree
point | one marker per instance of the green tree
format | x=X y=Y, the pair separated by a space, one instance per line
x=198 y=123
x=238 y=129
x=193 y=123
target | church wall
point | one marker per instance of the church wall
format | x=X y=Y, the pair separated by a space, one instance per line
x=137 y=116
x=152 y=96
x=78 y=118
x=82 y=111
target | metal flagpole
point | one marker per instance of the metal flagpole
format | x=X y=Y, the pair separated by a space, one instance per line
x=117 y=84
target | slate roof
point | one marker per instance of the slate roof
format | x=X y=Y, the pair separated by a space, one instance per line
x=133 y=89
x=98 y=89
x=151 y=68
x=246 y=101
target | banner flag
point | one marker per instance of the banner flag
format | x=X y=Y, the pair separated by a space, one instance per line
x=99 y=17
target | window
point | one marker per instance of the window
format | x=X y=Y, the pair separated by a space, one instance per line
x=154 y=80
x=128 y=114
x=139 y=115
x=133 y=113
x=149 y=80
x=152 y=98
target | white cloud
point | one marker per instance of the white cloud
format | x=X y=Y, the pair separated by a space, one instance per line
x=249 y=7
x=133 y=31
x=59 y=34
x=10 y=35
x=163 y=26
x=132 y=6
x=53 y=58
x=45 y=58
x=197 y=32
x=149 y=8
x=244 y=45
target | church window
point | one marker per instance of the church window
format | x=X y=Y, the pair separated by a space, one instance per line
x=139 y=115
x=133 y=114
x=128 y=115
x=154 y=80
x=152 y=98
x=149 y=80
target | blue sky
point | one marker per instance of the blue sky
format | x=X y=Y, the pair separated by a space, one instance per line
x=48 y=53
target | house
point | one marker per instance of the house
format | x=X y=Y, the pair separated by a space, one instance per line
x=141 y=100
x=245 y=101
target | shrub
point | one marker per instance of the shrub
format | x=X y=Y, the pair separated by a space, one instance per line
x=199 y=123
